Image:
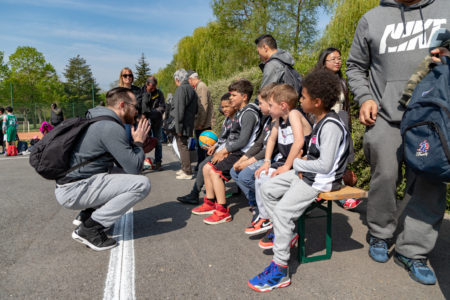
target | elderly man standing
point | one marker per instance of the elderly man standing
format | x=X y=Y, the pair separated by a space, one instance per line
x=204 y=113
x=184 y=109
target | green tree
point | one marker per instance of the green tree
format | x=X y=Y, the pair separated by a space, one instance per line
x=142 y=71
x=32 y=79
x=80 y=86
x=291 y=22
x=4 y=70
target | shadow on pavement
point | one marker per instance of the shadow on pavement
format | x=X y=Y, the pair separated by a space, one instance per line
x=439 y=258
x=159 y=219
x=315 y=237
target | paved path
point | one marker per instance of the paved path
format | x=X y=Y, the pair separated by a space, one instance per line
x=176 y=256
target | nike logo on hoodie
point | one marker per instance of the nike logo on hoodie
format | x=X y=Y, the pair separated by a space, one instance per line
x=396 y=39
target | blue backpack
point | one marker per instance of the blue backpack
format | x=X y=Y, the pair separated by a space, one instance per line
x=425 y=126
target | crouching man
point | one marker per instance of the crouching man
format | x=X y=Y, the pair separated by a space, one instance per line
x=102 y=193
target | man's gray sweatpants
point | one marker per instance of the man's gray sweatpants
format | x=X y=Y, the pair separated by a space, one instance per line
x=383 y=149
x=285 y=198
x=112 y=194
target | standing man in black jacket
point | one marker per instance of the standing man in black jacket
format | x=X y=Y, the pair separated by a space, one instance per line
x=184 y=109
x=153 y=107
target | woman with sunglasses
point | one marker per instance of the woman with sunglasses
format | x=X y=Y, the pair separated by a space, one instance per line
x=331 y=60
x=126 y=80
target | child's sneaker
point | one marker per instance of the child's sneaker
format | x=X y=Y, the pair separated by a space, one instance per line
x=208 y=207
x=261 y=226
x=220 y=215
x=351 y=203
x=274 y=276
x=148 y=164
x=267 y=241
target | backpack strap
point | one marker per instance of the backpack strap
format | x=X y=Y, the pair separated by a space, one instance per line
x=91 y=121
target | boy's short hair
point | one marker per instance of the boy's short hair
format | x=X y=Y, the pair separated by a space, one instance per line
x=225 y=97
x=9 y=109
x=242 y=86
x=325 y=85
x=284 y=93
x=266 y=39
x=2 y=110
x=265 y=91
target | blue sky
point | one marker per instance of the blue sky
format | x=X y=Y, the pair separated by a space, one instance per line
x=108 y=34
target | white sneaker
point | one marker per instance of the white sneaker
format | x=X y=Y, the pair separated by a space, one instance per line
x=179 y=172
x=185 y=176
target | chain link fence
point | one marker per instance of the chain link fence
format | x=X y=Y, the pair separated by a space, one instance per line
x=30 y=116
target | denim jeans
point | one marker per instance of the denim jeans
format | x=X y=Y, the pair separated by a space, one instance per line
x=201 y=153
x=245 y=179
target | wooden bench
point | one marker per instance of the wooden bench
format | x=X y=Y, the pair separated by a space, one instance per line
x=344 y=193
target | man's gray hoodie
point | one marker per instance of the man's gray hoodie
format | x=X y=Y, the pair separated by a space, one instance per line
x=273 y=68
x=104 y=137
x=389 y=42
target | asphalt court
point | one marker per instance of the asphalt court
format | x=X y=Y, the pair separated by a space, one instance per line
x=168 y=253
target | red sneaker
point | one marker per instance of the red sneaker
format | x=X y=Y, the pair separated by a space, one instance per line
x=351 y=203
x=208 y=207
x=220 y=215
x=261 y=226
x=267 y=241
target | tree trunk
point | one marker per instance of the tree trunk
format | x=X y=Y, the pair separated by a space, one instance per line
x=297 y=26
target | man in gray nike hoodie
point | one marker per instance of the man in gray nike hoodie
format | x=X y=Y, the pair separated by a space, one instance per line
x=272 y=59
x=389 y=43
x=104 y=197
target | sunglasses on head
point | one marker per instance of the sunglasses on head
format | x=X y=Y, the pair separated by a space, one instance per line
x=127 y=75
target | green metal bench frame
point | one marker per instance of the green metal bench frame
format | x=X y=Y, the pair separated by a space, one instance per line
x=345 y=192
x=301 y=228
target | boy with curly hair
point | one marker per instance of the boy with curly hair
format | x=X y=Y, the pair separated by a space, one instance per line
x=287 y=196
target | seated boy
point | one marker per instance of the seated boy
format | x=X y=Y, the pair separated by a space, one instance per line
x=243 y=171
x=244 y=130
x=229 y=111
x=287 y=138
x=287 y=196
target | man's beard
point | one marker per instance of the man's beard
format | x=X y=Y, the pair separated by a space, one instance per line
x=129 y=117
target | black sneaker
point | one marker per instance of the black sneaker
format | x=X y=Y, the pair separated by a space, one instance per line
x=93 y=237
x=158 y=166
x=83 y=216
x=191 y=198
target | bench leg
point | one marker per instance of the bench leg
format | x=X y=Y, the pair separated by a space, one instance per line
x=302 y=258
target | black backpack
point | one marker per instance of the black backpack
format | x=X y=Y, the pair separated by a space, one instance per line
x=51 y=155
x=425 y=126
x=291 y=77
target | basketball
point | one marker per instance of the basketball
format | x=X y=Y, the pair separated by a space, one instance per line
x=349 y=178
x=207 y=139
x=150 y=144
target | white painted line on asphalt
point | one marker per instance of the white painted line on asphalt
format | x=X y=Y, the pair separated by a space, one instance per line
x=14 y=157
x=120 y=279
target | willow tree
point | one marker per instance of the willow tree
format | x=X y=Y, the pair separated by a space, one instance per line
x=214 y=51
x=291 y=22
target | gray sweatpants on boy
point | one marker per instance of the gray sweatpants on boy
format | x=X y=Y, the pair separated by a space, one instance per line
x=426 y=207
x=285 y=198
x=112 y=194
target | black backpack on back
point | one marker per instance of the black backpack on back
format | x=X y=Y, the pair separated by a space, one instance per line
x=50 y=157
x=291 y=77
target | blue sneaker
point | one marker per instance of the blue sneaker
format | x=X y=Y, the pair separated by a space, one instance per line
x=378 y=249
x=274 y=276
x=417 y=269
